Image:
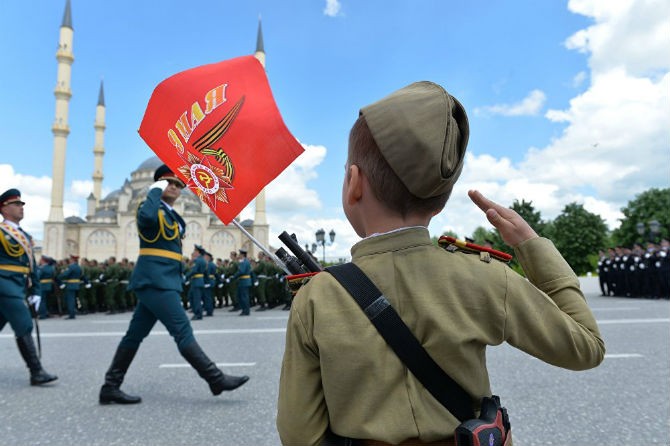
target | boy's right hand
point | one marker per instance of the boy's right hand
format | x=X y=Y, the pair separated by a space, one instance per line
x=513 y=229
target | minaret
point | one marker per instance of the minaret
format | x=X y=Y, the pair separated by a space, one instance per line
x=260 y=217
x=99 y=147
x=55 y=225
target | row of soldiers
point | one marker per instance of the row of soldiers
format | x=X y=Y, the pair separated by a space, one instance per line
x=637 y=271
x=269 y=288
x=102 y=286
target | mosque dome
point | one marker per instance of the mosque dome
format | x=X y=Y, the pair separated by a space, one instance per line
x=113 y=195
x=152 y=164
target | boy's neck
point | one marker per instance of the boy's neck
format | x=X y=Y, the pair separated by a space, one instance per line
x=379 y=220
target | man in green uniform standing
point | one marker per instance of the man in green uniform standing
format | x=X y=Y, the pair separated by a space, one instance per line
x=18 y=276
x=111 y=277
x=406 y=152
x=157 y=282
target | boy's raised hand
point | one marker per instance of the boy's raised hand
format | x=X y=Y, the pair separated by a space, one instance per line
x=513 y=229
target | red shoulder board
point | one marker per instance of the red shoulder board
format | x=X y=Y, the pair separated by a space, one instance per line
x=451 y=244
x=301 y=276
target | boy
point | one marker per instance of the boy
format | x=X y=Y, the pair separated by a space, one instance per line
x=406 y=152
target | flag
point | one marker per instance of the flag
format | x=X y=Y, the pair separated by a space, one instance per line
x=218 y=129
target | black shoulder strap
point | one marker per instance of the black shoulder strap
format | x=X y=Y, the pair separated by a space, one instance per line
x=399 y=337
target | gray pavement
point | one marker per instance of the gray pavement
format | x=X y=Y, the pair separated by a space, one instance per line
x=625 y=401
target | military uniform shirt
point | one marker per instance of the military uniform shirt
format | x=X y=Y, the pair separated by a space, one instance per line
x=338 y=370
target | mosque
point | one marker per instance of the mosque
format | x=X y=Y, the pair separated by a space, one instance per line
x=109 y=228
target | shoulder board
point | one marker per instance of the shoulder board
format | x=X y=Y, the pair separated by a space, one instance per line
x=296 y=281
x=451 y=244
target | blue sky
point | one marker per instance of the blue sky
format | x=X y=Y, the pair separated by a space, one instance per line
x=568 y=101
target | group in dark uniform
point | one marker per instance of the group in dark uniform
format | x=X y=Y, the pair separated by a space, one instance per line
x=642 y=272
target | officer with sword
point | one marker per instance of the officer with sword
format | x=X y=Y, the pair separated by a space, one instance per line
x=18 y=274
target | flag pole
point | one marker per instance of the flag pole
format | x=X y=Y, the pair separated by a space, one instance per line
x=263 y=248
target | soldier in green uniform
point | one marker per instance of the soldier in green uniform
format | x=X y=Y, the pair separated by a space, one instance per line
x=262 y=272
x=111 y=277
x=18 y=276
x=86 y=291
x=406 y=151
x=125 y=296
x=157 y=282
x=94 y=271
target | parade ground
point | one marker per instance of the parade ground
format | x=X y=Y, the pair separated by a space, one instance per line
x=625 y=401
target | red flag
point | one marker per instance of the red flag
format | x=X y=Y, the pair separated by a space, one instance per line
x=218 y=128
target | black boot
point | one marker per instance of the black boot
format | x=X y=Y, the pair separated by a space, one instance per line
x=217 y=380
x=37 y=374
x=111 y=391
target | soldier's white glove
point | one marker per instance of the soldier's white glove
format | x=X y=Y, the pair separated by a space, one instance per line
x=101 y=277
x=220 y=285
x=35 y=300
x=223 y=276
x=256 y=283
x=88 y=285
x=62 y=286
x=207 y=285
x=160 y=184
x=187 y=282
x=227 y=280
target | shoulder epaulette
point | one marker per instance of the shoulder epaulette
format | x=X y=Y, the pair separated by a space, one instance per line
x=452 y=244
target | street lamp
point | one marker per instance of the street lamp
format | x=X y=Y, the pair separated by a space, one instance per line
x=321 y=240
x=654 y=230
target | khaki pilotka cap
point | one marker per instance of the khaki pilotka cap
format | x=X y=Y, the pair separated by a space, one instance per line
x=422 y=132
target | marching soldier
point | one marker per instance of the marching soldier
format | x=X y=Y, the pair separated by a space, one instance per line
x=18 y=274
x=157 y=281
x=71 y=278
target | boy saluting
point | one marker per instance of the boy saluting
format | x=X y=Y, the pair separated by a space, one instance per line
x=405 y=153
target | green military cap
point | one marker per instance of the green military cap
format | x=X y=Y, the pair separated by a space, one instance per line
x=422 y=132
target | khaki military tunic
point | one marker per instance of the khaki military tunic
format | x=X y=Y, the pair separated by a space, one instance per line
x=337 y=369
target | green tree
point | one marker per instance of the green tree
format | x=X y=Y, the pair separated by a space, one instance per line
x=481 y=235
x=577 y=233
x=649 y=206
x=526 y=210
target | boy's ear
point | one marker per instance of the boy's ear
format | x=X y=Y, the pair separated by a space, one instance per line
x=354 y=189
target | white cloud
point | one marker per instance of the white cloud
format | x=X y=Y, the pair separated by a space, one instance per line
x=289 y=192
x=579 y=79
x=615 y=143
x=81 y=188
x=528 y=106
x=332 y=8
x=627 y=33
x=35 y=191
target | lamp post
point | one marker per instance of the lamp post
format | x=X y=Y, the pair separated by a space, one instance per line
x=654 y=230
x=321 y=240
